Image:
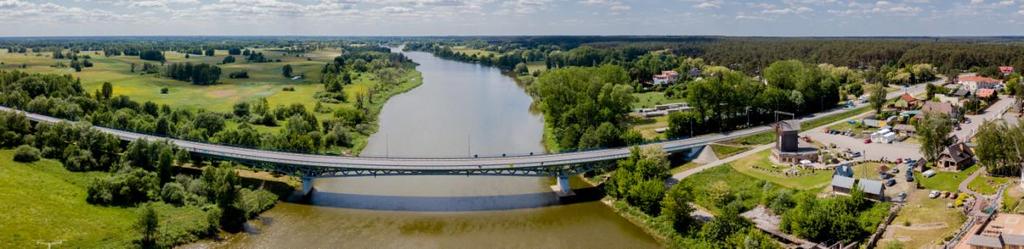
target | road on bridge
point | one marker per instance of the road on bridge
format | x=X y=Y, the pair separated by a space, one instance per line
x=502 y=165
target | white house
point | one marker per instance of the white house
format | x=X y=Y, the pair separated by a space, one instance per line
x=973 y=83
x=666 y=78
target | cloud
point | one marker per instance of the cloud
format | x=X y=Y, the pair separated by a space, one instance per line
x=615 y=6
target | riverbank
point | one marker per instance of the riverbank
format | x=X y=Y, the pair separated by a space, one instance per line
x=411 y=80
x=43 y=201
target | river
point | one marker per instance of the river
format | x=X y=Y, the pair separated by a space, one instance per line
x=461 y=109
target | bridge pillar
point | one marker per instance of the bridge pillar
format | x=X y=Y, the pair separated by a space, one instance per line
x=562 y=188
x=307 y=186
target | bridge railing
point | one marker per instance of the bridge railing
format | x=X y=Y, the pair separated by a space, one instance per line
x=50 y=119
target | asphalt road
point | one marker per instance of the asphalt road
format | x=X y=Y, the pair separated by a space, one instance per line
x=437 y=164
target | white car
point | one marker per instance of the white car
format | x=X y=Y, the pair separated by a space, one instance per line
x=934 y=194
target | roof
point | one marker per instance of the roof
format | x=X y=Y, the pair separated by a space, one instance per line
x=842 y=182
x=871 y=186
x=1006 y=69
x=907 y=97
x=985 y=93
x=789 y=125
x=903 y=127
x=938 y=107
x=957 y=152
x=960 y=92
x=844 y=170
x=980 y=79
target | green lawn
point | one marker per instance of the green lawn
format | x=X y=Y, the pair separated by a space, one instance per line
x=686 y=166
x=651 y=99
x=760 y=166
x=44 y=202
x=930 y=221
x=265 y=81
x=945 y=181
x=719 y=185
x=987 y=185
x=723 y=151
x=815 y=123
x=754 y=139
x=868 y=171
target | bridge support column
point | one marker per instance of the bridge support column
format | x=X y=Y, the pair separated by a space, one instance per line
x=562 y=188
x=307 y=186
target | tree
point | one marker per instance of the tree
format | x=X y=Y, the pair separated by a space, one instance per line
x=211 y=122
x=148 y=225
x=676 y=207
x=933 y=132
x=164 y=164
x=999 y=148
x=522 y=69
x=286 y=70
x=26 y=154
x=228 y=60
x=877 y=98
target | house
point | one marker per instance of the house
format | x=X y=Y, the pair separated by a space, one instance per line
x=955 y=157
x=845 y=170
x=995 y=232
x=960 y=93
x=986 y=93
x=974 y=82
x=948 y=99
x=844 y=185
x=1006 y=70
x=907 y=102
x=944 y=108
x=905 y=129
x=873 y=189
x=666 y=78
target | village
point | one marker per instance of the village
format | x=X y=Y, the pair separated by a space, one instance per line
x=948 y=202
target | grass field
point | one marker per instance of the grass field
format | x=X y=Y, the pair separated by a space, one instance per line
x=714 y=183
x=723 y=151
x=44 y=202
x=987 y=185
x=472 y=51
x=760 y=166
x=651 y=99
x=929 y=219
x=265 y=81
x=867 y=171
x=945 y=181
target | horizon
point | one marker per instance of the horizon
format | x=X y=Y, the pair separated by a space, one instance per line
x=393 y=18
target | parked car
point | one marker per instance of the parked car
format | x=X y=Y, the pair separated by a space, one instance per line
x=933 y=194
x=890 y=182
x=867 y=141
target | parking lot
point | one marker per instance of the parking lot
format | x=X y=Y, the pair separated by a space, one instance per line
x=870 y=151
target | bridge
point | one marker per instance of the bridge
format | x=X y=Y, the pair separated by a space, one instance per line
x=561 y=165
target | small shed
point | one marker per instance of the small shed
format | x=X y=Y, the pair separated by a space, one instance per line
x=842 y=184
x=874 y=189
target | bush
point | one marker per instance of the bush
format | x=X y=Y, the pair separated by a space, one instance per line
x=26 y=154
x=164 y=90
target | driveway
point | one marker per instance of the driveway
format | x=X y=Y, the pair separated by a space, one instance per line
x=872 y=151
x=993 y=112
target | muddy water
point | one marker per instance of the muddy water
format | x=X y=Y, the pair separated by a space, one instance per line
x=460 y=110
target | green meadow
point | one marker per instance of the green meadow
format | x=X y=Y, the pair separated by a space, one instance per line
x=42 y=201
x=265 y=80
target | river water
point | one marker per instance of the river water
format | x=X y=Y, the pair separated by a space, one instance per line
x=460 y=110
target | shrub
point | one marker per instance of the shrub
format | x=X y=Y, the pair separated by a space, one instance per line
x=26 y=154
x=288 y=89
x=164 y=90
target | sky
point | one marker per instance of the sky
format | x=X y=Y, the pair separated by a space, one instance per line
x=512 y=17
